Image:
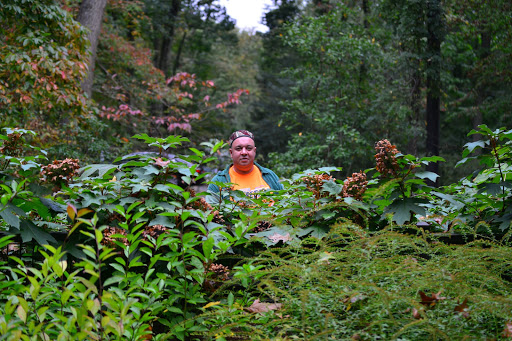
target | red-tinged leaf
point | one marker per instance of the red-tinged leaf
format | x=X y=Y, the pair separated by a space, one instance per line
x=507 y=331
x=416 y=314
x=83 y=212
x=462 y=308
x=430 y=301
x=71 y=211
x=261 y=307
x=161 y=163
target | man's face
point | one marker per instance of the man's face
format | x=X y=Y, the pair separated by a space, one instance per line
x=243 y=153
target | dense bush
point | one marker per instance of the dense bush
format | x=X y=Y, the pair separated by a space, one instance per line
x=121 y=251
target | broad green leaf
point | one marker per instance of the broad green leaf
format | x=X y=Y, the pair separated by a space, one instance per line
x=433 y=158
x=162 y=220
x=332 y=187
x=427 y=175
x=29 y=231
x=402 y=208
x=102 y=170
x=316 y=231
x=470 y=146
x=10 y=218
x=328 y=170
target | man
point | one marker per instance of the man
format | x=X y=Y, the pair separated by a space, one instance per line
x=246 y=174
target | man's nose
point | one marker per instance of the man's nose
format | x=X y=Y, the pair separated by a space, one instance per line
x=244 y=150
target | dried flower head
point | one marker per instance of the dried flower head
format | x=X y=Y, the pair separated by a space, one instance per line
x=220 y=272
x=110 y=241
x=315 y=182
x=385 y=158
x=355 y=185
x=13 y=146
x=262 y=226
x=60 y=172
x=153 y=231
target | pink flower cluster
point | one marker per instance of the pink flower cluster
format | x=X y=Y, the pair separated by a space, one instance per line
x=233 y=98
x=116 y=114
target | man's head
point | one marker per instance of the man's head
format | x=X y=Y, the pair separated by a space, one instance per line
x=242 y=150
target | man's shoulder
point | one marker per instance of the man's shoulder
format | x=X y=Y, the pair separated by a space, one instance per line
x=263 y=170
x=222 y=175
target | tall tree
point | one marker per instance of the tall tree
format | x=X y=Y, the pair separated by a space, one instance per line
x=275 y=86
x=333 y=111
x=435 y=29
x=42 y=62
x=166 y=27
x=90 y=15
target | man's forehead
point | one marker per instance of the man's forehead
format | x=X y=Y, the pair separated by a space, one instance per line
x=243 y=142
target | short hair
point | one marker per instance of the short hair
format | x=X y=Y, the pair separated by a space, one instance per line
x=238 y=134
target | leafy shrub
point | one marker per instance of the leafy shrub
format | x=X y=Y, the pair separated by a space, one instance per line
x=369 y=257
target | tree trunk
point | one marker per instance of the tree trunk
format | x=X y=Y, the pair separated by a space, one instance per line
x=178 y=54
x=416 y=119
x=481 y=92
x=366 y=24
x=90 y=15
x=165 y=44
x=434 y=28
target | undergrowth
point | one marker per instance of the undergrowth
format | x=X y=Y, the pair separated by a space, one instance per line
x=385 y=286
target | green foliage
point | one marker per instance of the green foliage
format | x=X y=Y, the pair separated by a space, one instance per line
x=43 y=62
x=369 y=286
x=339 y=94
x=143 y=256
x=135 y=258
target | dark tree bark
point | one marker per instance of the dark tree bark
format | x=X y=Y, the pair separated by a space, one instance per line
x=178 y=54
x=481 y=92
x=90 y=15
x=434 y=28
x=366 y=24
x=165 y=44
x=416 y=106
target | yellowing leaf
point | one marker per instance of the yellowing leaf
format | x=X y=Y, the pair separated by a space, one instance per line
x=211 y=304
x=22 y=314
x=71 y=211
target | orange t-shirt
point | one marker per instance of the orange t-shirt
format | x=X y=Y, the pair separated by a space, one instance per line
x=248 y=183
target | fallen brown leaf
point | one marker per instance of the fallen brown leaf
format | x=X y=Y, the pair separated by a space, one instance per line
x=277 y=237
x=261 y=307
x=462 y=308
x=431 y=300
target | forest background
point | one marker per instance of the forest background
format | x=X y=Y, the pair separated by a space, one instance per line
x=328 y=79
x=122 y=251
